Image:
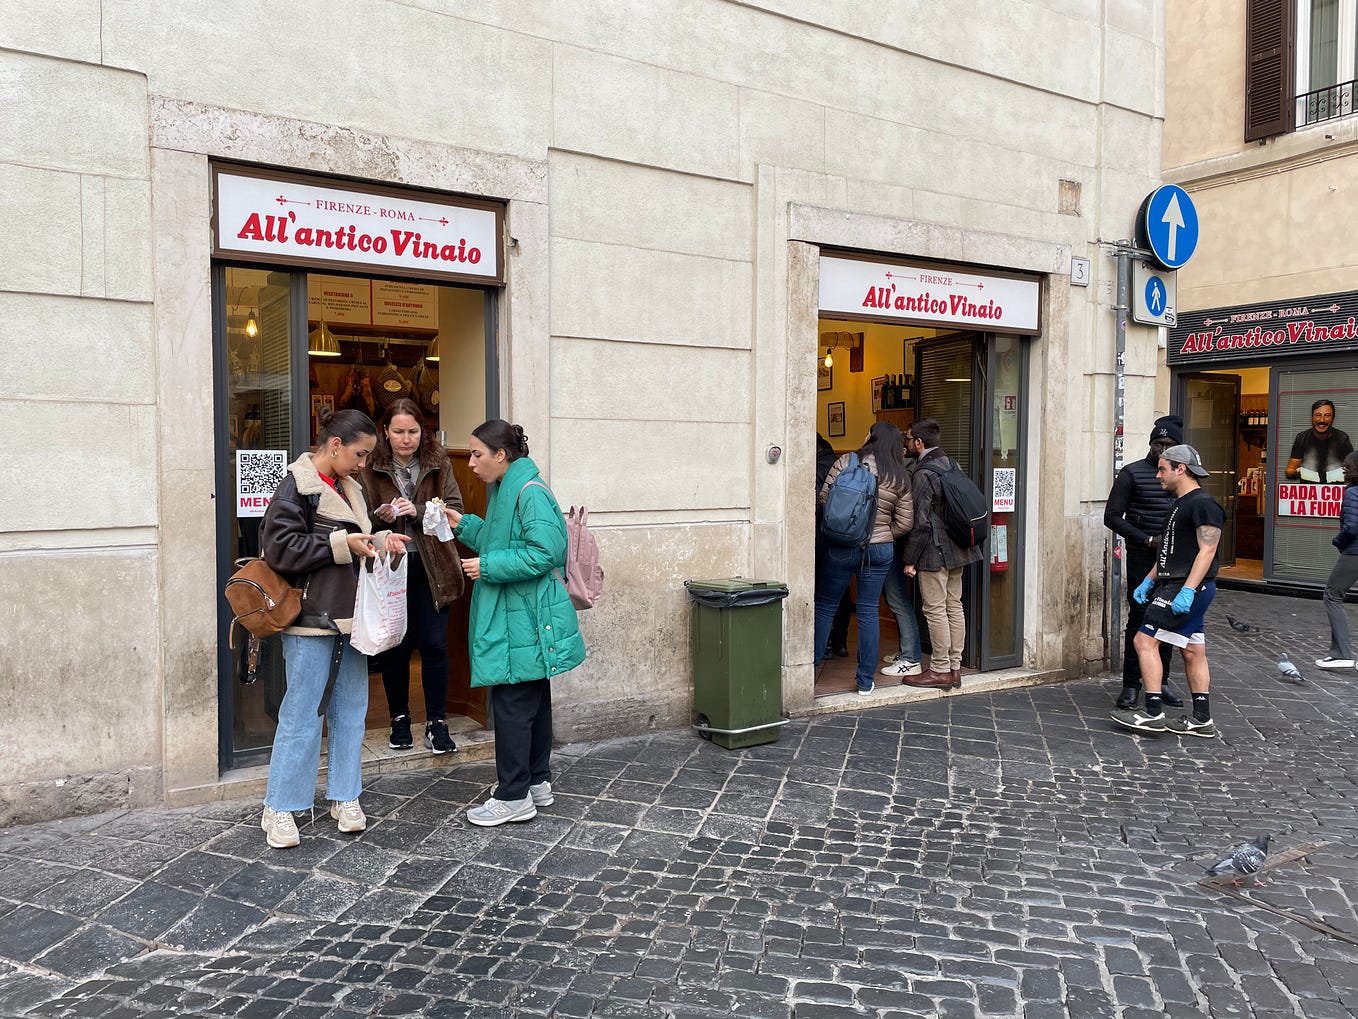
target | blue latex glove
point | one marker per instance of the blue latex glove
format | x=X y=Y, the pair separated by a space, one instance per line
x=1142 y=593
x=1183 y=601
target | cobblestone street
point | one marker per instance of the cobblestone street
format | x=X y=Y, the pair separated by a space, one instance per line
x=1003 y=855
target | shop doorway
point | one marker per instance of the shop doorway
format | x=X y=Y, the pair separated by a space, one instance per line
x=1211 y=415
x=972 y=384
x=288 y=343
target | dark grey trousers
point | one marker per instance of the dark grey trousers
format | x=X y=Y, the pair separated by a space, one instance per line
x=1343 y=575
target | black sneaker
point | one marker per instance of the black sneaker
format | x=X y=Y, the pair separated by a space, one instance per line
x=1127 y=699
x=1187 y=725
x=400 y=733
x=436 y=737
x=1138 y=722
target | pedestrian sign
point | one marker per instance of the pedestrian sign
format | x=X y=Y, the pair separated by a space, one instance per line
x=1155 y=295
x=1167 y=223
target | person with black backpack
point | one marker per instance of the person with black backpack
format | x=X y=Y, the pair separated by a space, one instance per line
x=838 y=644
x=865 y=505
x=949 y=529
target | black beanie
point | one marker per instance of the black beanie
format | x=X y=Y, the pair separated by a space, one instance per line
x=1171 y=427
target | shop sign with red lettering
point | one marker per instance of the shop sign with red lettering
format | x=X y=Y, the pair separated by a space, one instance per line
x=1250 y=332
x=277 y=218
x=1310 y=500
x=855 y=288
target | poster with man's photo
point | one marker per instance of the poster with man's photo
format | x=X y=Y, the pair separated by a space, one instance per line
x=1312 y=481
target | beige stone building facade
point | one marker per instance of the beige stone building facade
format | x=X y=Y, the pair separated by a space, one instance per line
x=1260 y=130
x=671 y=185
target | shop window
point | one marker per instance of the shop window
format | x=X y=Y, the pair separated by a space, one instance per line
x=1311 y=442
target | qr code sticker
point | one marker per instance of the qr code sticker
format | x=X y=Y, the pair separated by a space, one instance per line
x=1004 y=488
x=259 y=472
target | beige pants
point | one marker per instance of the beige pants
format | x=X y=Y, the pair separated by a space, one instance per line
x=941 y=593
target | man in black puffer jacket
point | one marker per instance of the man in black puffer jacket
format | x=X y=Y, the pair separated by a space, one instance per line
x=1137 y=509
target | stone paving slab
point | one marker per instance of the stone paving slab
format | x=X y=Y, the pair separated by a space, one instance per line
x=996 y=854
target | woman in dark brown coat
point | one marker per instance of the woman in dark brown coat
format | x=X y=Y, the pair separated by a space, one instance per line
x=405 y=471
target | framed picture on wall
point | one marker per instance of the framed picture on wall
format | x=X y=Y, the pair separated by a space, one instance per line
x=825 y=378
x=877 y=384
x=834 y=412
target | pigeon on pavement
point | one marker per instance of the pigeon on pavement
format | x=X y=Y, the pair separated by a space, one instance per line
x=1246 y=858
x=1290 y=673
x=1240 y=627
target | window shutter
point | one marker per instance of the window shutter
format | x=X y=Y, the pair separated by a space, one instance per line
x=1270 y=67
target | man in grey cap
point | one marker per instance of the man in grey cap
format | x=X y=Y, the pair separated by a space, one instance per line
x=1187 y=566
x=1137 y=509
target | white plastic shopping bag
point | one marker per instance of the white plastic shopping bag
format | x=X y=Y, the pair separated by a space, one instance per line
x=436 y=521
x=380 y=609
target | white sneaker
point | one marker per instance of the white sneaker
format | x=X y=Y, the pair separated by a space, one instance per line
x=280 y=827
x=902 y=667
x=541 y=794
x=496 y=812
x=888 y=659
x=349 y=815
x=1334 y=663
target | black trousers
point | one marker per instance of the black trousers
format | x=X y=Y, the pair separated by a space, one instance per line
x=426 y=629
x=1138 y=568
x=523 y=736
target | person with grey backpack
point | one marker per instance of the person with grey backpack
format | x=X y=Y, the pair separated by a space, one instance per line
x=865 y=505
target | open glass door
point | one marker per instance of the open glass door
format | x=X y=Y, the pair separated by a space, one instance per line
x=260 y=430
x=1211 y=413
x=950 y=373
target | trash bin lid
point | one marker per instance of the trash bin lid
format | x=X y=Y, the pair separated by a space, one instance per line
x=731 y=584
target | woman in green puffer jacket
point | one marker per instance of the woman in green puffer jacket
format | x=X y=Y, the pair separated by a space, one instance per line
x=523 y=630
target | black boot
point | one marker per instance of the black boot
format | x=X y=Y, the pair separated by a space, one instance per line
x=1129 y=696
x=1169 y=698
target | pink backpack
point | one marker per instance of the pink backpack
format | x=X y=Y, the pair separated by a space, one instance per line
x=584 y=579
x=584 y=575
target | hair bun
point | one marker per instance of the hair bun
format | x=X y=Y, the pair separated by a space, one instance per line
x=324 y=415
x=523 y=439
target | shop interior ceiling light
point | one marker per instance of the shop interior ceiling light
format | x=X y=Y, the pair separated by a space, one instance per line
x=251 y=326
x=432 y=354
x=323 y=343
x=829 y=358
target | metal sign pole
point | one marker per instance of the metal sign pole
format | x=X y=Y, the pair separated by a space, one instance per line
x=1120 y=307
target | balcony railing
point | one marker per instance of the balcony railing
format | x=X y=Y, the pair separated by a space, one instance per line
x=1328 y=103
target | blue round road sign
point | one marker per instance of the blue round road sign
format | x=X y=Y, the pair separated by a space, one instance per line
x=1168 y=225
x=1155 y=295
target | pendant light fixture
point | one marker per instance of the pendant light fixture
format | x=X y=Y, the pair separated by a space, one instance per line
x=432 y=354
x=251 y=326
x=322 y=342
x=829 y=358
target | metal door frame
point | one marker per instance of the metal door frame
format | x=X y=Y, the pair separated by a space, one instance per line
x=299 y=440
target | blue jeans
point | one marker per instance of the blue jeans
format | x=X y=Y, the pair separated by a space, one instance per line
x=297 y=742
x=870 y=565
x=902 y=607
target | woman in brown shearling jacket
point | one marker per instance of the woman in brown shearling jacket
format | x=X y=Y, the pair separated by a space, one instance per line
x=405 y=471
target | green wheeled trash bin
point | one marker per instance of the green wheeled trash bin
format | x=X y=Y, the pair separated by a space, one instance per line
x=737 y=640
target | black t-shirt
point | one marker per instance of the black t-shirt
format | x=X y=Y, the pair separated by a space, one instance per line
x=1321 y=454
x=1179 y=546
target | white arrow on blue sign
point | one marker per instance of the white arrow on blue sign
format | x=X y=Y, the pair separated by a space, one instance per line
x=1168 y=223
